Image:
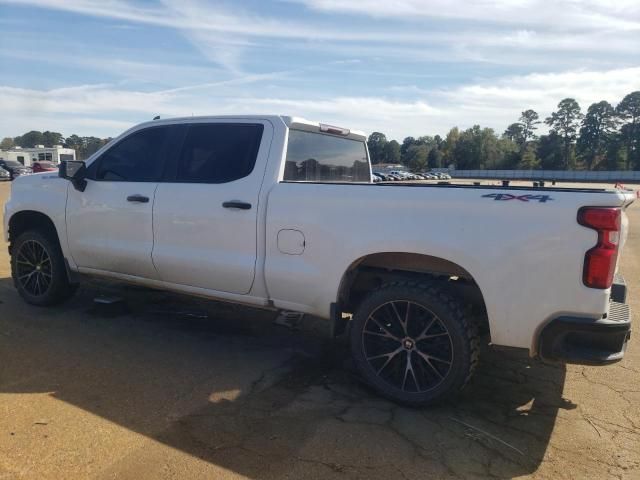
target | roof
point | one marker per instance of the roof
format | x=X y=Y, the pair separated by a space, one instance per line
x=289 y=121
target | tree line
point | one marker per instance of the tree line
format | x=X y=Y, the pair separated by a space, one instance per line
x=603 y=138
x=84 y=146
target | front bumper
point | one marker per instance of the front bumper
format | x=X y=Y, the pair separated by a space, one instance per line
x=587 y=341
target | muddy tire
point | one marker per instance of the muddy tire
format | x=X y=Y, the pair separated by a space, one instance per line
x=412 y=343
x=38 y=269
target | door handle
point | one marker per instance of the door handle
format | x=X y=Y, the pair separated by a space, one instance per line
x=138 y=198
x=237 y=204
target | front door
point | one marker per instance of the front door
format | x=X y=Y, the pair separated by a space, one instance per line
x=110 y=223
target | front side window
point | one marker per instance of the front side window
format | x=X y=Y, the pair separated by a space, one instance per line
x=137 y=158
x=219 y=152
x=315 y=157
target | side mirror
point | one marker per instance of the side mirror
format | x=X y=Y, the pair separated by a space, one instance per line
x=74 y=171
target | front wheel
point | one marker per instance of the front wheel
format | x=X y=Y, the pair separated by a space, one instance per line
x=412 y=343
x=38 y=269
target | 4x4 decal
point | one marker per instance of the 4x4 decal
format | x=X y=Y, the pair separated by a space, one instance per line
x=522 y=198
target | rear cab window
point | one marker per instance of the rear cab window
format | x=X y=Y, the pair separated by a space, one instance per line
x=319 y=157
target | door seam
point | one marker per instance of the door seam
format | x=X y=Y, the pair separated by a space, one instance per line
x=153 y=230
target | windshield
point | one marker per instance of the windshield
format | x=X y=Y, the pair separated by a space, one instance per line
x=315 y=157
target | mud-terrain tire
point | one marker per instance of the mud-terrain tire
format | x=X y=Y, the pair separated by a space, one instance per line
x=411 y=342
x=38 y=269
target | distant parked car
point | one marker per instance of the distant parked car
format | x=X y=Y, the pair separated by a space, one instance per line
x=14 y=168
x=402 y=175
x=4 y=174
x=440 y=175
x=43 y=166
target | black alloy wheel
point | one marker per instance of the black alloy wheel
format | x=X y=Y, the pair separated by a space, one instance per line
x=34 y=271
x=412 y=343
x=408 y=346
x=38 y=268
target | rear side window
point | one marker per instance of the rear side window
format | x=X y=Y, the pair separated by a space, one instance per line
x=137 y=158
x=219 y=152
x=314 y=157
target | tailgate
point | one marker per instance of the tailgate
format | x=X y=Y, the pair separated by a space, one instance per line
x=629 y=198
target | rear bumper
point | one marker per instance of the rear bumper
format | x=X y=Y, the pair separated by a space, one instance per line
x=587 y=341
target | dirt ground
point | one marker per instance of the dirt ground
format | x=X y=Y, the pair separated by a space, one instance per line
x=166 y=387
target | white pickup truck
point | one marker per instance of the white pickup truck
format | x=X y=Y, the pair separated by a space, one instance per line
x=280 y=213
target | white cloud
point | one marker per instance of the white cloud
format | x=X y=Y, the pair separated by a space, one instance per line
x=522 y=32
x=593 y=44
x=198 y=15
x=542 y=92
x=105 y=110
x=99 y=98
x=499 y=102
x=566 y=15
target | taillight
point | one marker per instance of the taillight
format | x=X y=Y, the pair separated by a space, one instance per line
x=600 y=261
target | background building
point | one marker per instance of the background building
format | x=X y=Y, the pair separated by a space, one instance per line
x=27 y=156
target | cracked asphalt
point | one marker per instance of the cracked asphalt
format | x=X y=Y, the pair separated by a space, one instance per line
x=161 y=386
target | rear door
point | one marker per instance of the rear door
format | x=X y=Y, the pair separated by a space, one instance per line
x=205 y=212
x=109 y=224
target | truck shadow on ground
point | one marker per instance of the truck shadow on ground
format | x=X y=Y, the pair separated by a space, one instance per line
x=222 y=384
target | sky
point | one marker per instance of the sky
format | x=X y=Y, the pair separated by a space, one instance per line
x=404 y=67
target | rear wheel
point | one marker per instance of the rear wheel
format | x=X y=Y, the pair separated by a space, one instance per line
x=412 y=343
x=38 y=269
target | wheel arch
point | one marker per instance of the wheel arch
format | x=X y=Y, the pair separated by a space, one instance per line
x=65 y=283
x=25 y=220
x=372 y=270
